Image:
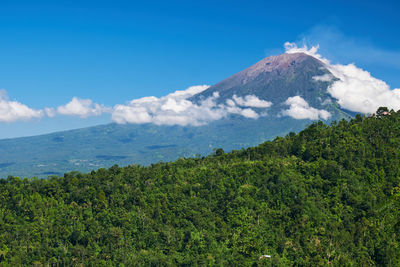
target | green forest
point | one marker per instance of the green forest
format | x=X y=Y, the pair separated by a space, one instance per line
x=327 y=196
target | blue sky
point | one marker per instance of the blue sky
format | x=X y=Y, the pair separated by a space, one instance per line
x=114 y=51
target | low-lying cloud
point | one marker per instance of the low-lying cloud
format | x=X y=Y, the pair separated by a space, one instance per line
x=299 y=109
x=173 y=109
x=251 y=101
x=355 y=89
x=11 y=111
x=177 y=109
x=324 y=78
x=80 y=107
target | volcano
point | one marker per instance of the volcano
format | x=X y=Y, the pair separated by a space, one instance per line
x=292 y=90
x=276 y=79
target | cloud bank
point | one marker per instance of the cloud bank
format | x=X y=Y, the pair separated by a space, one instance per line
x=11 y=111
x=177 y=109
x=355 y=89
x=173 y=109
x=299 y=109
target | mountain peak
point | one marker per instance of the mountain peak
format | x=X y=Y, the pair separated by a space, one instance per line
x=273 y=63
x=274 y=78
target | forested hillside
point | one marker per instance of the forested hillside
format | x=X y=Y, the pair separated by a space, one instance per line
x=328 y=195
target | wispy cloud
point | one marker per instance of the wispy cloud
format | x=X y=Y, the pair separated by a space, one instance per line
x=299 y=109
x=341 y=48
x=355 y=89
x=11 y=111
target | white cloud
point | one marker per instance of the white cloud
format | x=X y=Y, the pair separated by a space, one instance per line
x=251 y=101
x=247 y=112
x=11 y=111
x=81 y=107
x=176 y=108
x=191 y=91
x=50 y=112
x=355 y=89
x=130 y=114
x=299 y=109
x=341 y=48
x=324 y=78
x=291 y=48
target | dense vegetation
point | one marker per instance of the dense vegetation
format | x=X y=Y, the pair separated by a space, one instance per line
x=328 y=195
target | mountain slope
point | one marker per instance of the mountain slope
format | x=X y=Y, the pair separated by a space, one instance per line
x=273 y=79
x=106 y=145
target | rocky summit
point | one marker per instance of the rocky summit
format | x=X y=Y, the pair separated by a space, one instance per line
x=275 y=79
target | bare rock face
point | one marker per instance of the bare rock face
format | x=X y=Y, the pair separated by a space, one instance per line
x=274 y=63
x=275 y=79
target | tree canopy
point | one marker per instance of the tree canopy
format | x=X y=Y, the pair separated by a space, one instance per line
x=327 y=195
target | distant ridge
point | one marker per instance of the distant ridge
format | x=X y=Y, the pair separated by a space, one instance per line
x=273 y=79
